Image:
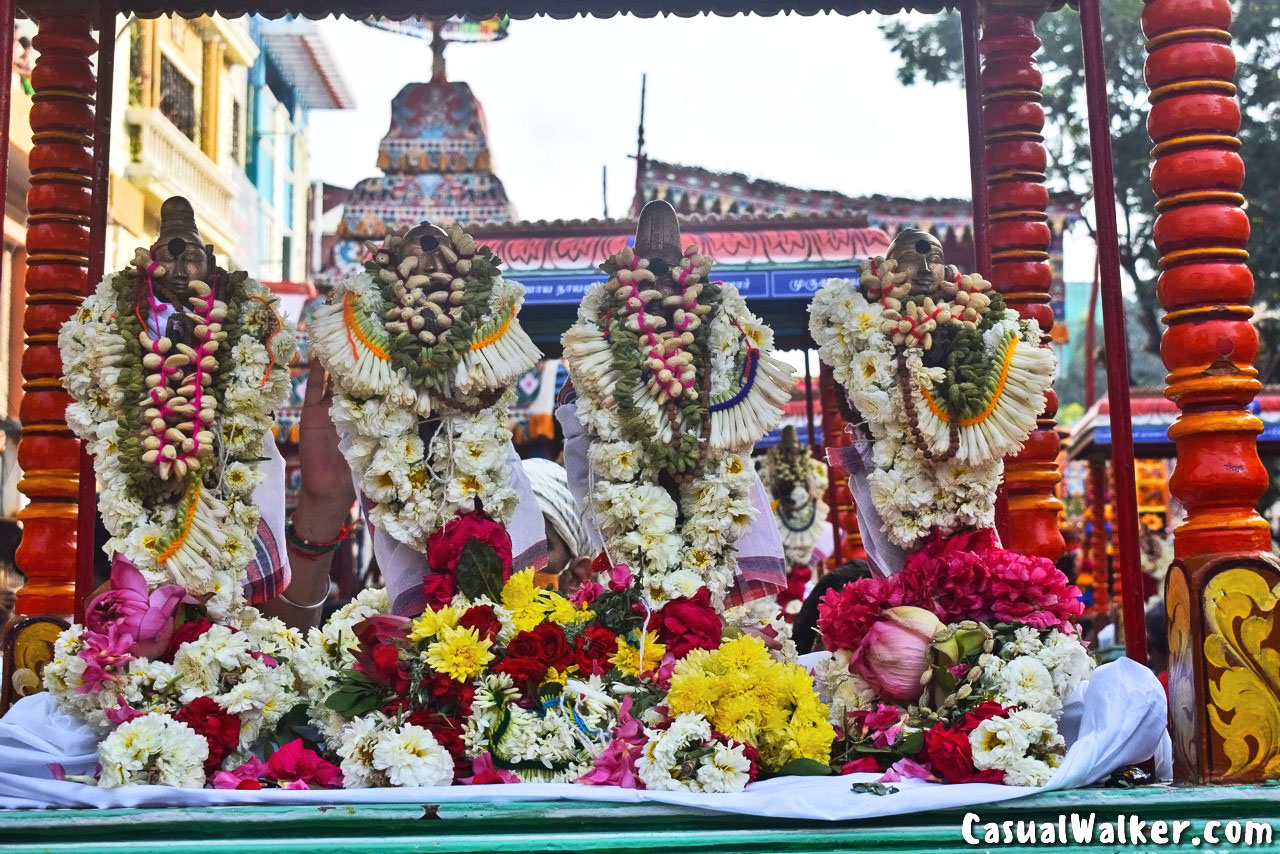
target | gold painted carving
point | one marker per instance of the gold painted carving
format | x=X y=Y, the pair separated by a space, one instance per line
x=1242 y=650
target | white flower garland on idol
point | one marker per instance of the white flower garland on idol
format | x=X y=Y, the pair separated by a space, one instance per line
x=679 y=386
x=931 y=467
x=176 y=429
x=428 y=330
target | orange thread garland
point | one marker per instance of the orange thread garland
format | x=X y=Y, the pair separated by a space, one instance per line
x=995 y=398
x=186 y=525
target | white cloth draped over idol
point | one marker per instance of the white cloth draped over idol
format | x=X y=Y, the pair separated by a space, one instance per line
x=1117 y=718
x=761 y=570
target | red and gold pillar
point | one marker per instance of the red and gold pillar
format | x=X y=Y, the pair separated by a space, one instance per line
x=1013 y=120
x=1221 y=592
x=844 y=515
x=60 y=205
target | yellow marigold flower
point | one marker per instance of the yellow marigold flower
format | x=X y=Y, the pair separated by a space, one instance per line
x=627 y=658
x=459 y=653
x=743 y=653
x=522 y=597
x=431 y=622
x=694 y=692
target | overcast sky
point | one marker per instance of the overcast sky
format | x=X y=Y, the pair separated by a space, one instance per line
x=806 y=101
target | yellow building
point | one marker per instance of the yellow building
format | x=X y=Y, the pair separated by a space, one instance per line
x=178 y=128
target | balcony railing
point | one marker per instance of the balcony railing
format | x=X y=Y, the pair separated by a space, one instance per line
x=165 y=159
x=19 y=117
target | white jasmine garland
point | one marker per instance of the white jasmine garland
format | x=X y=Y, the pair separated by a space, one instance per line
x=636 y=517
x=390 y=338
x=861 y=341
x=152 y=533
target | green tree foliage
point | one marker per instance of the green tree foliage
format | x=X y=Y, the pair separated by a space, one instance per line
x=932 y=53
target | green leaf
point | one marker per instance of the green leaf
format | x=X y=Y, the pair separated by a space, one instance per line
x=341 y=701
x=480 y=571
x=910 y=744
x=805 y=768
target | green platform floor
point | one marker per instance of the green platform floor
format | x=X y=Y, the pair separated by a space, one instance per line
x=588 y=828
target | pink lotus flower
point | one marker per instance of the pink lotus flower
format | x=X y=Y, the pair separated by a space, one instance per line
x=894 y=654
x=105 y=655
x=617 y=765
x=145 y=615
x=484 y=772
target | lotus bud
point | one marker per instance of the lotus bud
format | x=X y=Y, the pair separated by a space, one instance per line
x=895 y=652
x=169 y=452
x=151 y=361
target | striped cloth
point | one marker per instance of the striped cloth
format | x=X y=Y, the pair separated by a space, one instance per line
x=267 y=575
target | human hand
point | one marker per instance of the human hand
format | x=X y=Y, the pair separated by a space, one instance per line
x=326 y=494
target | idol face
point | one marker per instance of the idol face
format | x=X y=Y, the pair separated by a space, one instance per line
x=919 y=255
x=184 y=262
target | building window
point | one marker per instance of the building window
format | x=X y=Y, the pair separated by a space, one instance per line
x=178 y=100
x=236 y=147
x=286 y=261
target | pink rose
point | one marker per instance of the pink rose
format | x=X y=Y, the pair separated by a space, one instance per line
x=146 y=616
x=620 y=578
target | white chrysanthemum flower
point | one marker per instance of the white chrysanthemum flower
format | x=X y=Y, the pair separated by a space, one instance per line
x=1026 y=683
x=662 y=754
x=153 y=749
x=410 y=756
x=1026 y=641
x=1028 y=771
x=998 y=743
x=726 y=769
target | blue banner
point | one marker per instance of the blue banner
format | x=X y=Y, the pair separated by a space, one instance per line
x=752 y=284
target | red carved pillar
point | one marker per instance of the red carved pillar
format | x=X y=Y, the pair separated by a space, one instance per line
x=58 y=245
x=844 y=518
x=1221 y=591
x=1015 y=164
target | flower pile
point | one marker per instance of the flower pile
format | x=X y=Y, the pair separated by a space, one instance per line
x=512 y=683
x=956 y=669
x=942 y=402
x=675 y=382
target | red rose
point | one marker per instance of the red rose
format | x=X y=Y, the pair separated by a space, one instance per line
x=524 y=645
x=483 y=620
x=593 y=649
x=981 y=712
x=219 y=727
x=689 y=623
x=447 y=693
x=376 y=654
x=438 y=588
x=186 y=633
x=554 y=649
x=445 y=546
x=951 y=757
x=523 y=670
